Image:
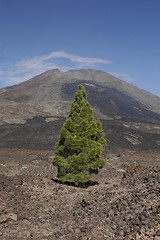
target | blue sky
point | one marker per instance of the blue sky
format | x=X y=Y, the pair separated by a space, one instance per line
x=121 y=37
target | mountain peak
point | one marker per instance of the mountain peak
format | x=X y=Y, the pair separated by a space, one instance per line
x=52 y=92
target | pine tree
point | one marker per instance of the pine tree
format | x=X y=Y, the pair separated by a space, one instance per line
x=81 y=142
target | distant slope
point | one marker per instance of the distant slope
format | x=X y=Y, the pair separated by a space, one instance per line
x=32 y=113
x=50 y=93
x=37 y=133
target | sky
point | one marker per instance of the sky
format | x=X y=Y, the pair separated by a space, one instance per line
x=121 y=37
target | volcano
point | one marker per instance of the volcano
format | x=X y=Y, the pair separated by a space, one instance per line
x=30 y=109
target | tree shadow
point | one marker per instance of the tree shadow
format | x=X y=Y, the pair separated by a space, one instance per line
x=73 y=184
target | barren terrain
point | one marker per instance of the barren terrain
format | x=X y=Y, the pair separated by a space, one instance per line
x=51 y=93
x=121 y=203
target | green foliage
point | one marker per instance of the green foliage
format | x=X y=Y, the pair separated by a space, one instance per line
x=81 y=142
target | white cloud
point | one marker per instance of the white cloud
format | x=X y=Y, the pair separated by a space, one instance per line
x=13 y=73
x=122 y=76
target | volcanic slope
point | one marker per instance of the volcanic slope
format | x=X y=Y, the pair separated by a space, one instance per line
x=50 y=93
x=31 y=113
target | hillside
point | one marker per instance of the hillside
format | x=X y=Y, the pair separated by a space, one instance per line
x=50 y=93
x=32 y=113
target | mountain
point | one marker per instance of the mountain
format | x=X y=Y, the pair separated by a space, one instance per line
x=50 y=93
x=44 y=102
x=122 y=200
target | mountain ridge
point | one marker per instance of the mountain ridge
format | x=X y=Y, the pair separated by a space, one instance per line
x=51 y=92
x=32 y=112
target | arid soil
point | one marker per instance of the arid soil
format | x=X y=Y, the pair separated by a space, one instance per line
x=121 y=203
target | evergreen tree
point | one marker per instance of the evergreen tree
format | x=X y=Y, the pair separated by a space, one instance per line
x=81 y=141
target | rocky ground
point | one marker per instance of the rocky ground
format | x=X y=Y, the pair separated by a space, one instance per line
x=121 y=203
